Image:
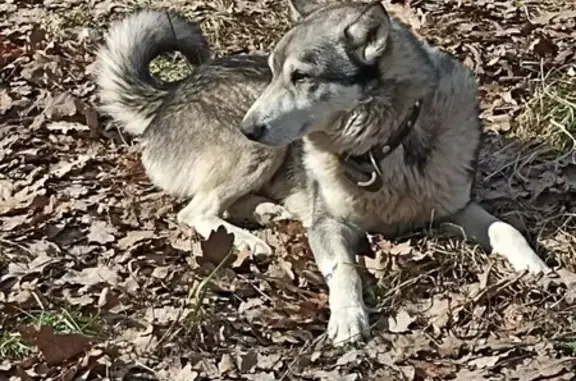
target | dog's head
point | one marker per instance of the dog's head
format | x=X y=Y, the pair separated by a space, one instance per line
x=321 y=68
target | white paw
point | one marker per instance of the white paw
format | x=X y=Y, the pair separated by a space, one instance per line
x=268 y=212
x=244 y=240
x=531 y=262
x=511 y=244
x=348 y=324
x=184 y=218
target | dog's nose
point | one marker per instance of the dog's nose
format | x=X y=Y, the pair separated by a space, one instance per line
x=254 y=132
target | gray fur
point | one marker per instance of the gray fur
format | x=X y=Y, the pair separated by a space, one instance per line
x=191 y=143
x=368 y=71
x=359 y=72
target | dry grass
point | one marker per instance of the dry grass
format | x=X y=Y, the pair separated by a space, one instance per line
x=170 y=68
x=550 y=113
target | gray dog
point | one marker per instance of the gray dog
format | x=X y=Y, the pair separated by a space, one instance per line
x=353 y=126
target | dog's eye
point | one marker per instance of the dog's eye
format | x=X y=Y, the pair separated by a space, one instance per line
x=298 y=76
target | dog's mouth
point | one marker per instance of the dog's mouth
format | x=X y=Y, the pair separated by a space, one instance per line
x=271 y=139
x=303 y=129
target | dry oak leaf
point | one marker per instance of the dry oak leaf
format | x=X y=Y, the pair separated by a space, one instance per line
x=133 y=238
x=485 y=362
x=5 y=102
x=101 y=232
x=226 y=364
x=185 y=374
x=178 y=373
x=141 y=341
x=6 y=189
x=166 y=314
x=218 y=245
x=401 y=322
x=61 y=105
x=92 y=276
x=544 y=368
x=247 y=362
x=260 y=377
x=55 y=347
x=267 y=362
x=348 y=357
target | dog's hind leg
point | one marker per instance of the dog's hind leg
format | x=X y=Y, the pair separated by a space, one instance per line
x=333 y=245
x=497 y=236
x=203 y=214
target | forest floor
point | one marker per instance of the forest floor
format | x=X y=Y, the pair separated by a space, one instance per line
x=99 y=282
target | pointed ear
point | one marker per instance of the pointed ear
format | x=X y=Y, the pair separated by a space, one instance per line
x=299 y=9
x=368 y=34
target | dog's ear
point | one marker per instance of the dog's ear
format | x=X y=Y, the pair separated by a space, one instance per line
x=368 y=34
x=299 y=9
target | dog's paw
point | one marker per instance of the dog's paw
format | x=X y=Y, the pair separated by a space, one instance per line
x=348 y=325
x=531 y=262
x=269 y=212
x=510 y=243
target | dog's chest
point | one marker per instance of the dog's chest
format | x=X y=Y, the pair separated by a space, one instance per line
x=341 y=198
x=404 y=200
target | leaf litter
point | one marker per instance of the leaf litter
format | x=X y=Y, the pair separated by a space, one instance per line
x=81 y=227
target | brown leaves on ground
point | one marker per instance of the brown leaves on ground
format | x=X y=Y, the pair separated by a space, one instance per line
x=82 y=230
x=56 y=348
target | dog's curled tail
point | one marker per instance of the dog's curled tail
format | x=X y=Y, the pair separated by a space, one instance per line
x=127 y=90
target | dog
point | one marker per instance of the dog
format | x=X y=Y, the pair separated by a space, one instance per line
x=351 y=125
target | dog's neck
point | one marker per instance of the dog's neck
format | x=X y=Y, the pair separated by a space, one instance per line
x=362 y=166
x=364 y=170
x=364 y=137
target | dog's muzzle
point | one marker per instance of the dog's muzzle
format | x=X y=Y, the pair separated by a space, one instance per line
x=254 y=132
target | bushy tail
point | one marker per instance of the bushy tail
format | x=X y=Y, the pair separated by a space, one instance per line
x=127 y=90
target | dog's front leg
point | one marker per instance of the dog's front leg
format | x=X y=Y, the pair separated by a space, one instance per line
x=498 y=236
x=333 y=243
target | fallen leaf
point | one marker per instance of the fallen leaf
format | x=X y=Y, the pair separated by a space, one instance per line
x=267 y=362
x=484 y=362
x=133 y=237
x=166 y=315
x=5 y=101
x=65 y=127
x=348 y=357
x=62 y=105
x=261 y=377
x=91 y=276
x=55 y=347
x=218 y=245
x=545 y=368
x=401 y=322
x=185 y=374
x=226 y=364
x=247 y=362
x=101 y=232
x=404 y=248
x=141 y=340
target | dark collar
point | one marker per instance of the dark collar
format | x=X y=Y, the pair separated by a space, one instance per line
x=364 y=170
